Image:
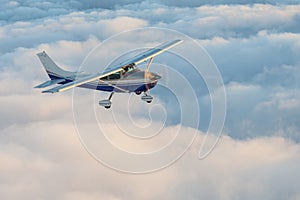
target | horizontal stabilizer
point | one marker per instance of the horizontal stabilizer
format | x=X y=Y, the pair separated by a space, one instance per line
x=50 y=82
x=73 y=84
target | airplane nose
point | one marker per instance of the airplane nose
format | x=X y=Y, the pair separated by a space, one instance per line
x=156 y=76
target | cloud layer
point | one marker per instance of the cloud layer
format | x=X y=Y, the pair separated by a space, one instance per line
x=46 y=160
x=256 y=48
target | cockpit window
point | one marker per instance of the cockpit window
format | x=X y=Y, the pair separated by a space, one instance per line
x=116 y=75
x=129 y=68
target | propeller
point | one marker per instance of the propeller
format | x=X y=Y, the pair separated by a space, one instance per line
x=147 y=74
x=164 y=73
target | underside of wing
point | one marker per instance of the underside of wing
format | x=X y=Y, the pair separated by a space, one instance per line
x=50 y=82
x=80 y=81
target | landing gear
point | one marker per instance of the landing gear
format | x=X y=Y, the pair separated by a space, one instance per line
x=106 y=103
x=138 y=92
x=147 y=97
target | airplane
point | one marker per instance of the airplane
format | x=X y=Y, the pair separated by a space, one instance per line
x=126 y=77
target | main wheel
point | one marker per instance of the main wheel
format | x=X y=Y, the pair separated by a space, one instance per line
x=138 y=92
x=149 y=101
x=105 y=103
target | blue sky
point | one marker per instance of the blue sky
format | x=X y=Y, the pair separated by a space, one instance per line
x=256 y=47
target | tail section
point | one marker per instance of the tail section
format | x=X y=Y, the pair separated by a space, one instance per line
x=53 y=71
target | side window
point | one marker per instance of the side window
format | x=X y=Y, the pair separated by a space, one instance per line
x=104 y=78
x=130 y=68
x=114 y=76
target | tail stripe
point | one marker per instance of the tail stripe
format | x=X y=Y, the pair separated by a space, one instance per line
x=53 y=71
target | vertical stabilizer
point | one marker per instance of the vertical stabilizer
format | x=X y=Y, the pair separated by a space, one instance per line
x=53 y=71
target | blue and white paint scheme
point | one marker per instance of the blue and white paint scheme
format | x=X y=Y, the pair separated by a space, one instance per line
x=126 y=77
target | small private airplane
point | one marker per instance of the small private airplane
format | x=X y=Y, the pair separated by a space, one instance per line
x=126 y=77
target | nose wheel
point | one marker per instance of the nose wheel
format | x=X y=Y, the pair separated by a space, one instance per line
x=146 y=97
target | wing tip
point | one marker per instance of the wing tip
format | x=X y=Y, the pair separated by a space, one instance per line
x=178 y=41
x=49 y=91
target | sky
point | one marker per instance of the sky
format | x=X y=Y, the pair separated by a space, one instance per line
x=50 y=146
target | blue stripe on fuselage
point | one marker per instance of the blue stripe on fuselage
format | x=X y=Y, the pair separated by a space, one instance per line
x=131 y=87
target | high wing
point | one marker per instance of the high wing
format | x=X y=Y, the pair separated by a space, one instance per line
x=147 y=54
x=135 y=60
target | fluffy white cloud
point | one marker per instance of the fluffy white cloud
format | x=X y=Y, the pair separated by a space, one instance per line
x=193 y=3
x=202 y=22
x=268 y=58
x=46 y=160
x=256 y=70
x=256 y=47
x=254 y=110
x=74 y=26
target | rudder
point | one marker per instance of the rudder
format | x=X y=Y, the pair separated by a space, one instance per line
x=53 y=71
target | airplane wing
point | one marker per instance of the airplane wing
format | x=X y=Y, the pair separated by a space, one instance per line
x=147 y=54
x=135 y=60
x=81 y=81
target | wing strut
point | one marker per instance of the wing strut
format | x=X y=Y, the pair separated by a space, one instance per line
x=149 y=63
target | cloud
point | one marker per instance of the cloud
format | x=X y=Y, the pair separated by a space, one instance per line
x=29 y=10
x=254 y=110
x=256 y=48
x=74 y=26
x=46 y=155
x=203 y=22
x=256 y=70
x=236 y=51
x=195 y=3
